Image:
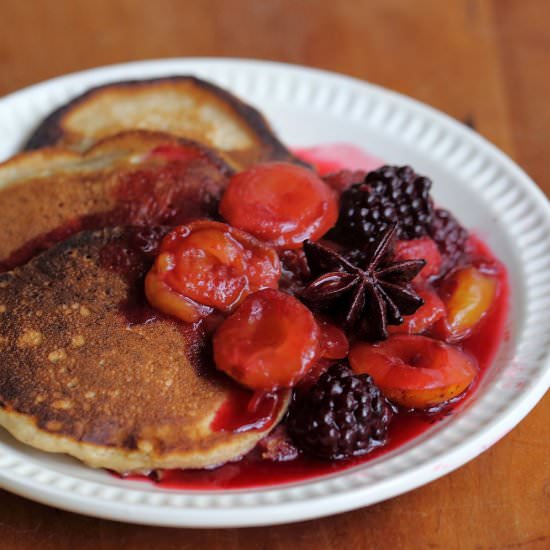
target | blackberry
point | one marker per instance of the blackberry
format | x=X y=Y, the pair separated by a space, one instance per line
x=388 y=195
x=450 y=237
x=342 y=415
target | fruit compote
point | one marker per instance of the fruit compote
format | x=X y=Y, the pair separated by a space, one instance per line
x=417 y=303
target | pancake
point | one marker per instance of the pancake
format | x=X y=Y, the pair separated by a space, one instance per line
x=133 y=178
x=88 y=370
x=182 y=105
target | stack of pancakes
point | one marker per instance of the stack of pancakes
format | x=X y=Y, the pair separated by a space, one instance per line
x=81 y=213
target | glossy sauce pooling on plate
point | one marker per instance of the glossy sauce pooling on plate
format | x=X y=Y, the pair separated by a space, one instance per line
x=245 y=411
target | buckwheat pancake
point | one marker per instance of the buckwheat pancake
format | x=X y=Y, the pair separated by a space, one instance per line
x=182 y=105
x=133 y=178
x=88 y=370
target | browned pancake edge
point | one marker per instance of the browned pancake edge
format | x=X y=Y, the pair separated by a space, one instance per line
x=268 y=147
x=77 y=378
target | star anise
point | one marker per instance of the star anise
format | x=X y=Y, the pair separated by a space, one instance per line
x=375 y=294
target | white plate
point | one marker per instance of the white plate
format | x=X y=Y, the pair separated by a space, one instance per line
x=482 y=186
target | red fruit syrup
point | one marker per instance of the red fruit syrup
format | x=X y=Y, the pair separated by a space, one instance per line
x=245 y=411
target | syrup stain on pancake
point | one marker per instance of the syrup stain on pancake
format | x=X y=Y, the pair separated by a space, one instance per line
x=156 y=179
x=81 y=376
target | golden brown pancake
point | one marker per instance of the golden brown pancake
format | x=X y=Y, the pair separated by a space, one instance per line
x=89 y=371
x=133 y=178
x=182 y=105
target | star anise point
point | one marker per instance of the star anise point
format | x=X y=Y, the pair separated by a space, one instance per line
x=377 y=292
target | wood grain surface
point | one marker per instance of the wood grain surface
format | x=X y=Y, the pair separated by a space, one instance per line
x=484 y=62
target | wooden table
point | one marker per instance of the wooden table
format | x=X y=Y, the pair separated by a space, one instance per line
x=484 y=62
